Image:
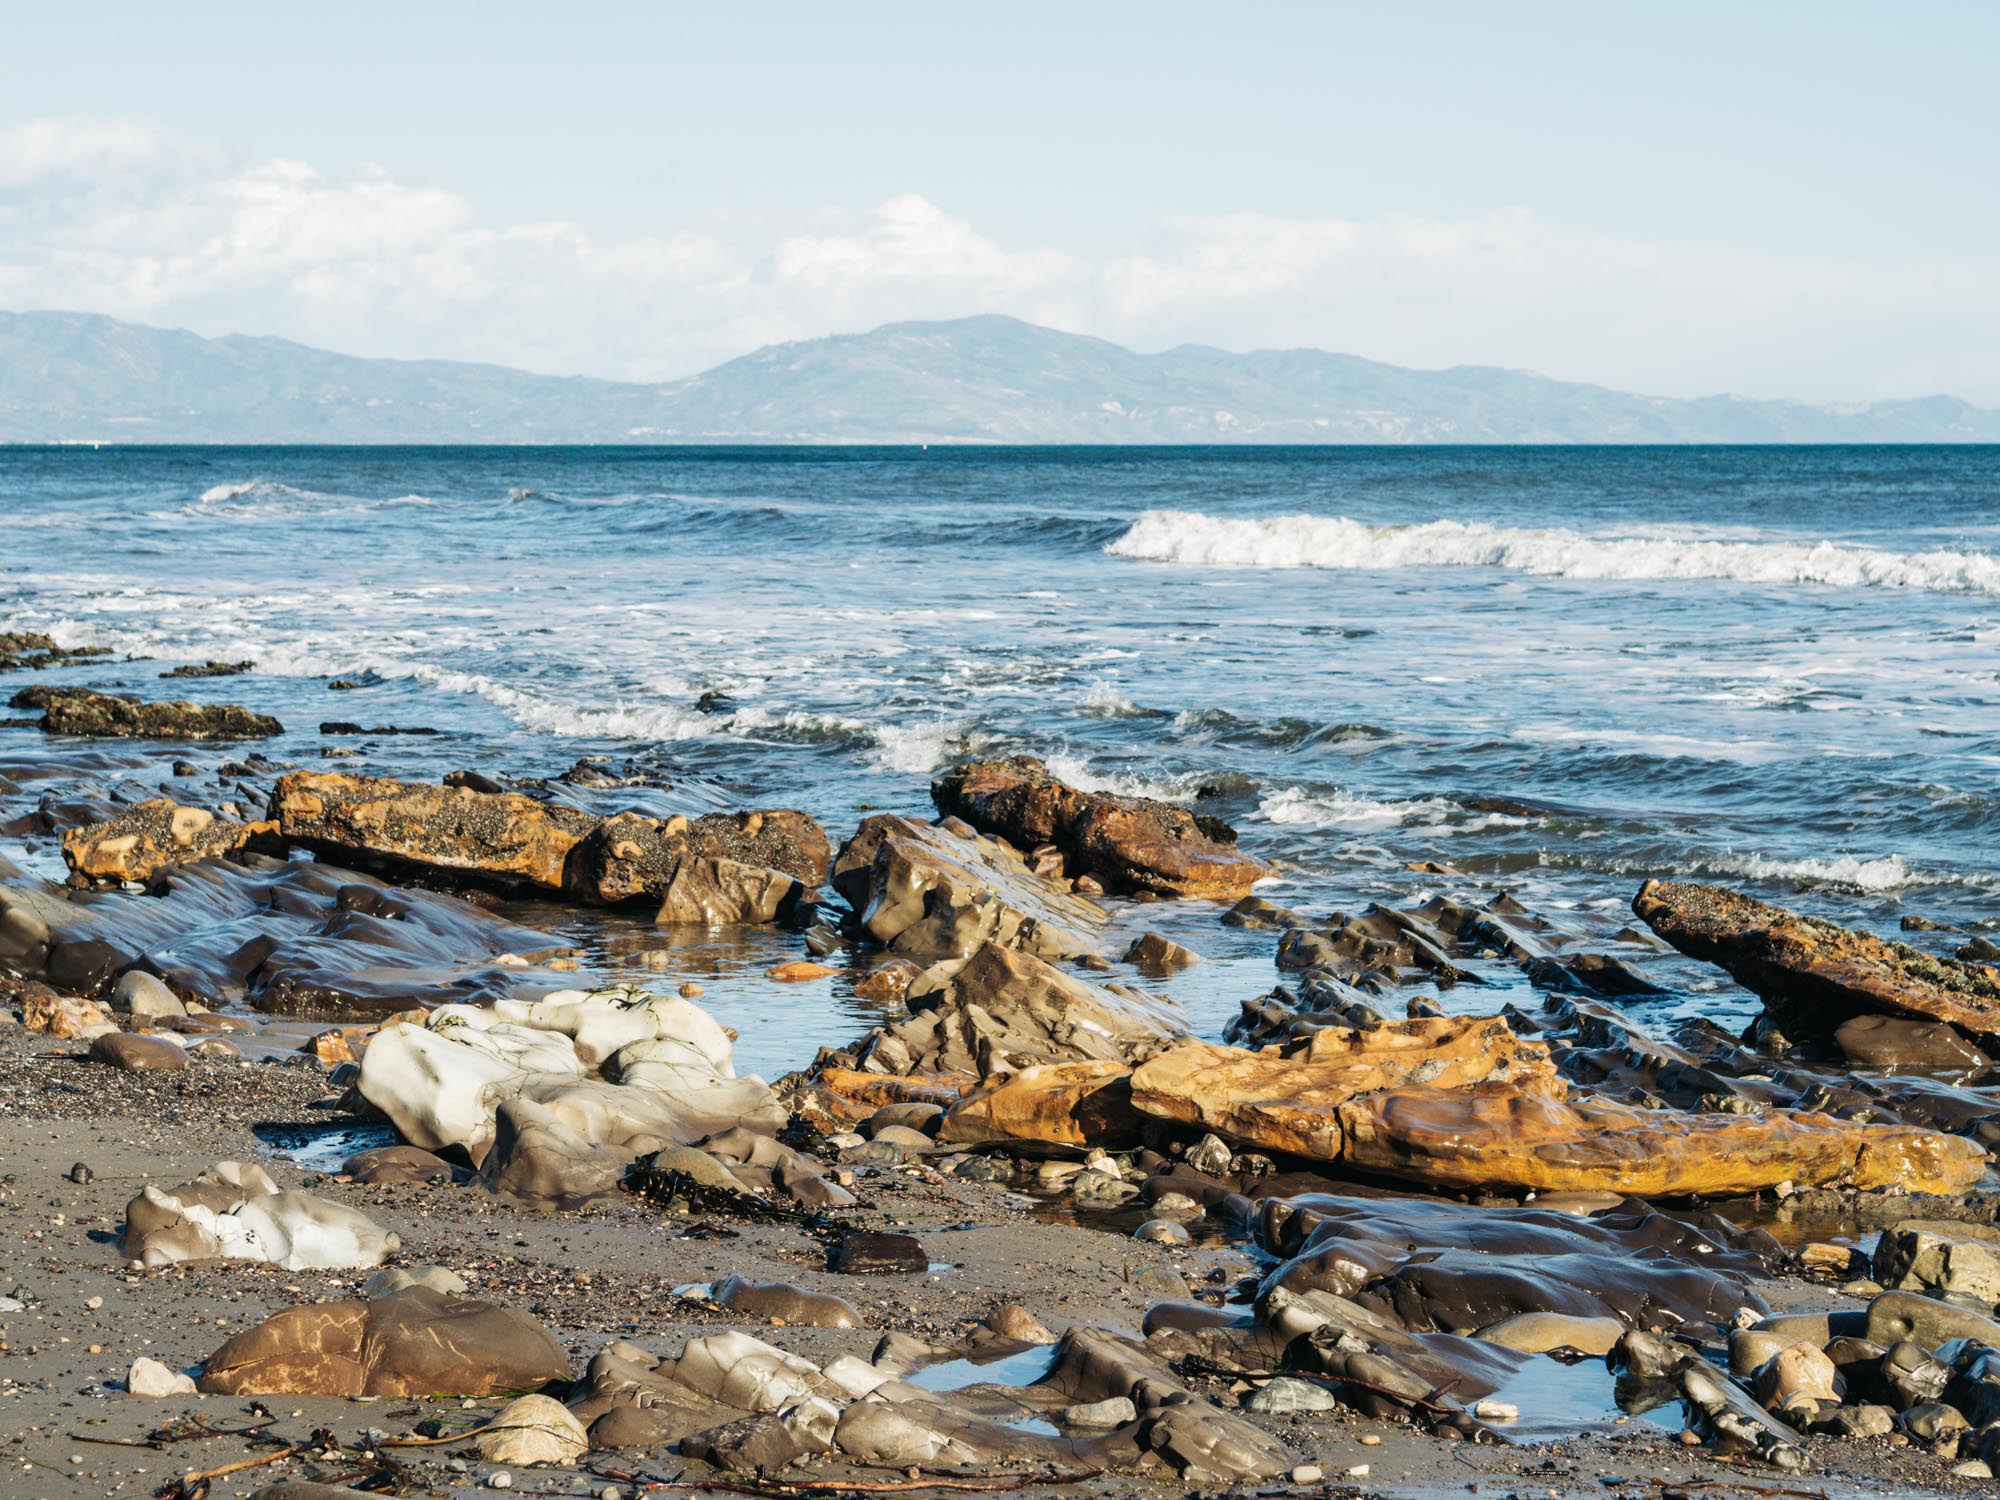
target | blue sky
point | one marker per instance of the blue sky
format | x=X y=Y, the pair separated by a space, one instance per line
x=1778 y=199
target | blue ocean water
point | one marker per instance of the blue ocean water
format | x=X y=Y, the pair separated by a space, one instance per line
x=1553 y=671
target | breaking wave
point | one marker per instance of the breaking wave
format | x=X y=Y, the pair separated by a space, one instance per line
x=1195 y=539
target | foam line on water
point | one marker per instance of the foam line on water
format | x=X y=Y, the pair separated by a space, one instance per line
x=1192 y=538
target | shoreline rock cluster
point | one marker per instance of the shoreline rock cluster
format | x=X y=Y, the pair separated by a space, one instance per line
x=1552 y=1161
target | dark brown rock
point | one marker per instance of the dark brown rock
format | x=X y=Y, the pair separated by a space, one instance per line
x=1128 y=843
x=1815 y=974
x=416 y=1342
x=103 y=716
x=864 y=1254
x=138 y=1054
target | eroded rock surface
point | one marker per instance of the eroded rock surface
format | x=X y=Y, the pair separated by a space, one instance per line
x=1816 y=973
x=78 y=711
x=139 y=843
x=237 y=1212
x=1127 y=843
x=509 y=840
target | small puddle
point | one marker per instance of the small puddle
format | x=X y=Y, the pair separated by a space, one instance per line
x=1560 y=1400
x=1022 y=1368
x=324 y=1148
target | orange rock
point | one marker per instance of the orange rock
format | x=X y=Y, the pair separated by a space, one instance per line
x=1503 y=1136
x=506 y=839
x=799 y=971
x=64 y=1015
x=1280 y=1102
x=153 y=836
x=1069 y=1104
x=340 y=1044
x=888 y=984
x=1128 y=843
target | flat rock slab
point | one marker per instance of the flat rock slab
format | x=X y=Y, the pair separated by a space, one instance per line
x=1499 y=1136
x=105 y=716
x=1816 y=973
x=881 y=1255
x=1129 y=844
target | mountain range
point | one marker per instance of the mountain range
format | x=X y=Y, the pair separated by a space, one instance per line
x=79 y=377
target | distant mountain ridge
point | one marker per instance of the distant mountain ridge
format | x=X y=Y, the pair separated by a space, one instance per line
x=80 y=377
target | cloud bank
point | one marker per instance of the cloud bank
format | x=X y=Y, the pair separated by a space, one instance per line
x=115 y=216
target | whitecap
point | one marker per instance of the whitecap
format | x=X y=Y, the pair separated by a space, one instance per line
x=1304 y=541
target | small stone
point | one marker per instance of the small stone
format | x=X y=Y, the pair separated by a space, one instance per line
x=799 y=971
x=81 y=1173
x=1115 y=1411
x=1285 y=1395
x=1497 y=1411
x=94 y=1303
x=881 y=1255
x=688 y=991
x=1358 y=1471
x=1308 y=1474
x=150 y=1379
x=1371 y=1439
x=500 y=1480
x=1162 y=1232
x=1973 y=1468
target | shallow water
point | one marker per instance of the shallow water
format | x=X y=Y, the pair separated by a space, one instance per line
x=1774 y=667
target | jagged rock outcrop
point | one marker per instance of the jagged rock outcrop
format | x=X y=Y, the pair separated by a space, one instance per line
x=78 y=711
x=1128 y=844
x=1002 y=1009
x=940 y=890
x=695 y=868
x=139 y=843
x=1813 y=973
x=1061 y=1104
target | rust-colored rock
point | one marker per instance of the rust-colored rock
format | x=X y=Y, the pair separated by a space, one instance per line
x=140 y=842
x=506 y=839
x=940 y=890
x=1067 y=1104
x=64 y=1015
x=1814 y=973
x=339 y=1044
x=416 y=1342
x=1501 y=1136
x=104 y=716
x=1289 y=1099
x=1127 y=843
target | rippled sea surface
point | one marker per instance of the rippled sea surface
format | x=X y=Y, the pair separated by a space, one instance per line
x=1555 y=671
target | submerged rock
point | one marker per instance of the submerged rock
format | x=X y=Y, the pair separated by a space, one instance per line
x=142 y=841
x=1127 y=843
x=416 y=1342
x=1813 y=973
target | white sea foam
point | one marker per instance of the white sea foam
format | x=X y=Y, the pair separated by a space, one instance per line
x=1886 y=873
x=1190 y=537
x=217 y=493
x=1296 y=807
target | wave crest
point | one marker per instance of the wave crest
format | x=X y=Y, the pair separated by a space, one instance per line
x=1193 y=538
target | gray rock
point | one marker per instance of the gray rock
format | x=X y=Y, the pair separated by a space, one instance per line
x=1284 y=1395
x=145 y=996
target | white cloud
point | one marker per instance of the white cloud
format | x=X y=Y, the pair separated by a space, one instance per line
x=112 y=216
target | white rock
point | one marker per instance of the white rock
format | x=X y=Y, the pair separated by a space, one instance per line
x=145 y=996
x=743 y=1372
x=150 y=1378
x=534 y=1430
x=1308 y=1474
x=1496 y=1411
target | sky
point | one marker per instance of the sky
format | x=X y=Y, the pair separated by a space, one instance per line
x=1771 y=200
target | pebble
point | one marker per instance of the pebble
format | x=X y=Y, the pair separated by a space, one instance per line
x=1371 y=1440
x=1358 y=1471
x=691 y=991
x=1496 y=1411
x=1973 y=1468
x=94 y=1303
x=81 y=1173
x=1161 y=1232
x=500 y=1481
x=1308 y=1474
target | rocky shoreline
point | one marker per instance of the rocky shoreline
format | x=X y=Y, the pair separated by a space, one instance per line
x=1025 y=1232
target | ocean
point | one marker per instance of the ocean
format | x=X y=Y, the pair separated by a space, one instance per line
x=1399 y=672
